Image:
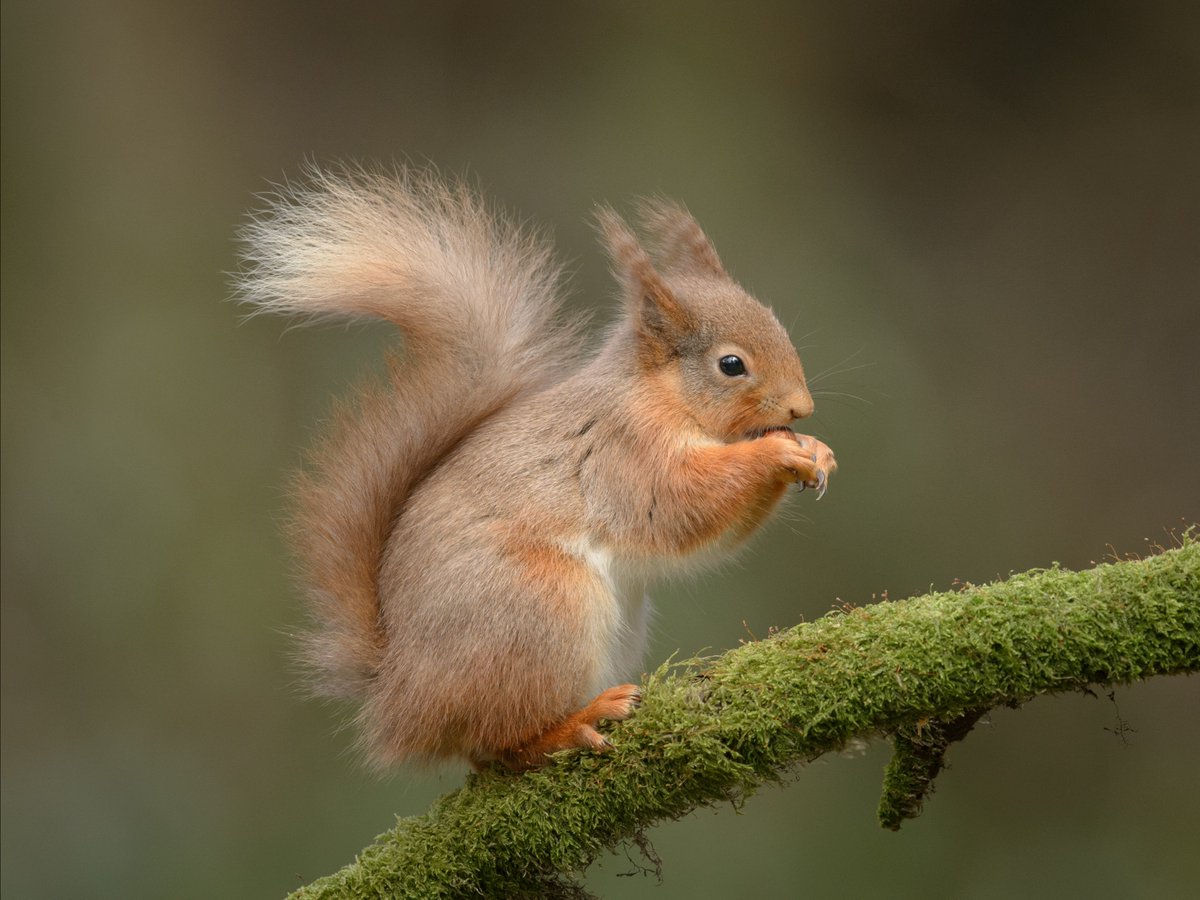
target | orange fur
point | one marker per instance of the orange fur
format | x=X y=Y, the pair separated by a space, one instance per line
x=478 y=533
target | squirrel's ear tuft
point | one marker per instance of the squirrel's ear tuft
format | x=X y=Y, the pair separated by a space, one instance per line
x=679 y=244
x=661 y=319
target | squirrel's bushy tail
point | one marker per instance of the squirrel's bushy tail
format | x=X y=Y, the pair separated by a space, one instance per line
x=477 y=299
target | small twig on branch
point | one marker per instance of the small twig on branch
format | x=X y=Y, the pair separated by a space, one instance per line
x=918 y=756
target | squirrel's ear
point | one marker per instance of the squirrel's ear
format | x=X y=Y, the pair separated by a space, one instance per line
x=679 y=243
x=660 y=317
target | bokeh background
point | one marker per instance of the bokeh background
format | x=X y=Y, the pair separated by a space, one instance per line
x=981 y=220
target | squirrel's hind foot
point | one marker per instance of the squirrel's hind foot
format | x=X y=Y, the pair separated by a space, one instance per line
x=577 y=729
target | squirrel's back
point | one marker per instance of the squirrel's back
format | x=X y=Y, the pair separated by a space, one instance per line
x=477 y=299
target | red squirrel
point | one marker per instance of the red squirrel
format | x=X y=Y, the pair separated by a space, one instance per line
x=477 y=532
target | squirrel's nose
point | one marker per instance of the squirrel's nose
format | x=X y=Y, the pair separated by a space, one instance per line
x=800 y=405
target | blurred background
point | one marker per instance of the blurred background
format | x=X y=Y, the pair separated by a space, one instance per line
x=982 y=222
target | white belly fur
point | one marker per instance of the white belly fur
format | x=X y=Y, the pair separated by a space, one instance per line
x=618 y=617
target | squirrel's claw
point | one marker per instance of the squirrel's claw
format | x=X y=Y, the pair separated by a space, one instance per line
x=820 y=484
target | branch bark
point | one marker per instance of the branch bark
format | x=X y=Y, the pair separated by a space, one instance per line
x=714 y=729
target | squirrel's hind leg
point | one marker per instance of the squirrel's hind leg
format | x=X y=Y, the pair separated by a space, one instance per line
x=577 y=729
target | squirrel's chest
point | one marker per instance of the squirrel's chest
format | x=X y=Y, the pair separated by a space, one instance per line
x=617 y=614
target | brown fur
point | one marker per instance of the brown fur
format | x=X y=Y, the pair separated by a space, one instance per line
x=477 y=534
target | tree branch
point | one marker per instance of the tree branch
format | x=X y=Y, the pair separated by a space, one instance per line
x=918 y=756
x=714 y=729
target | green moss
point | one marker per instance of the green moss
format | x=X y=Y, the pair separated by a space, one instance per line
x=919 y=755
x=714 y=729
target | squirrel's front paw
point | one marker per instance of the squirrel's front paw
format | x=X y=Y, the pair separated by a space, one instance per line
x=824 y=464
x=809 y=463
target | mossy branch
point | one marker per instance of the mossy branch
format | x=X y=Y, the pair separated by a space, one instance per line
x=918 y=755
x=712 y=730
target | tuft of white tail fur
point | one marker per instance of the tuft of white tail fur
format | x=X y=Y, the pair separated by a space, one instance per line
x=478 y=300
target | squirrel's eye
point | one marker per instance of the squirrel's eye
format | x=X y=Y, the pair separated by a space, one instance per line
x=732 y=365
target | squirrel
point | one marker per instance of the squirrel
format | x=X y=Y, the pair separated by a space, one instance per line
x=477 y=530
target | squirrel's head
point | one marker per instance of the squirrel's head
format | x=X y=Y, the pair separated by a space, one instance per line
x=727 y=355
